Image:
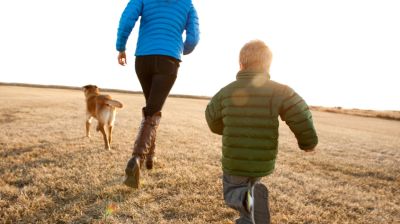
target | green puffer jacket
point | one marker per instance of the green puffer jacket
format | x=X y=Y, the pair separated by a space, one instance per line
x=246 y=112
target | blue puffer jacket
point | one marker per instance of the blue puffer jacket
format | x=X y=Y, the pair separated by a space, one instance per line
x=161 y=26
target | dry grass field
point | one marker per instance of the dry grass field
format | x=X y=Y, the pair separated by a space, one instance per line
x=51 y=173
x=390 y=115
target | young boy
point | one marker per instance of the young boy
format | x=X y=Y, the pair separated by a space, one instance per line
x=246 y=113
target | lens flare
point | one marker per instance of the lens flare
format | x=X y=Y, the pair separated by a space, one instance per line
x=111 y=208
x=259 y=80
x=240 y=97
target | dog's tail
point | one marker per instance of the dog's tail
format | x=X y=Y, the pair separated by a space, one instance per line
x=114 y=103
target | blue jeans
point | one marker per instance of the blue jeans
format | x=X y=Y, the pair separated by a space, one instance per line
x=235 y=193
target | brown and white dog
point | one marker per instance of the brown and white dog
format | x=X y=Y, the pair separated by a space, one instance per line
x=103 y=108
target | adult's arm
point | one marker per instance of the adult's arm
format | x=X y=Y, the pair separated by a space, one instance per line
x=127 y=21
x=192 y=31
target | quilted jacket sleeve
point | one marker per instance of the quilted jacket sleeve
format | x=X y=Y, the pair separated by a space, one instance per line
x=128 y=19
x=192 y=31
x=214 y=115
x=297 y=115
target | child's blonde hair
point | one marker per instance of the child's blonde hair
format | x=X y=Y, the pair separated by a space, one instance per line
x=255 y=56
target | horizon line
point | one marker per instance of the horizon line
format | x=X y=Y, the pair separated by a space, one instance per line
x=170 y=95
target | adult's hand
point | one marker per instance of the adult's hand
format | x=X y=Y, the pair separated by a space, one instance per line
x=122 y=58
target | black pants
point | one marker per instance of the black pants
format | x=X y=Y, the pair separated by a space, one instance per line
x=157 y=75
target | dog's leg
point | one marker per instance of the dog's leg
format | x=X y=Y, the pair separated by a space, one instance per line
x=110 y=128
x=103 y=131
x=88 y=121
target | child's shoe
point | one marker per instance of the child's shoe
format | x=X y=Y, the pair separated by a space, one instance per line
x=257 y=204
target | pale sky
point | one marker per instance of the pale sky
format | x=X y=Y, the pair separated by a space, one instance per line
x=333 y=53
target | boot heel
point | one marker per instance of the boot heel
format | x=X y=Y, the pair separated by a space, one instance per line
x=149 y=165
x=132 y=172
x=150 y=162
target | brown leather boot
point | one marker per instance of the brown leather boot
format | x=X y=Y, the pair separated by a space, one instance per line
x=151 y=157
x=144 y=140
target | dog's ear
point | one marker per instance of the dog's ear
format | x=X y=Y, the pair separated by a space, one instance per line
x=90 y=86
x=85 y=87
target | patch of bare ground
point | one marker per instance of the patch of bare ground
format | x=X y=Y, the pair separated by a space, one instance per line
x=50 y=173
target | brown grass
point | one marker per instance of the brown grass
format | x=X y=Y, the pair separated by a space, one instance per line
x=50 y=173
